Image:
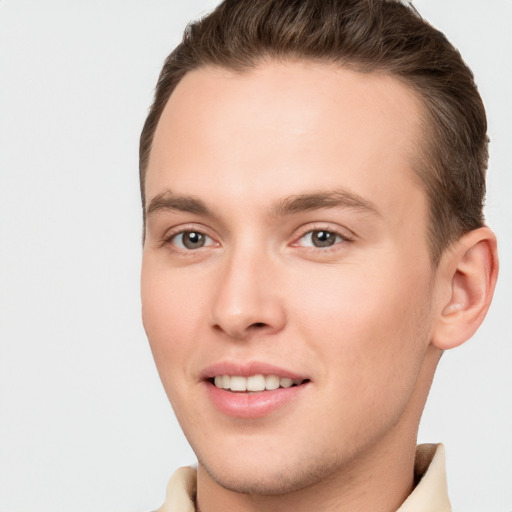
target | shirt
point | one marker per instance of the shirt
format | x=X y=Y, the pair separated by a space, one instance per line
x=429 y=495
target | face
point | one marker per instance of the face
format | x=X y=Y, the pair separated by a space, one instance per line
x=286 y=253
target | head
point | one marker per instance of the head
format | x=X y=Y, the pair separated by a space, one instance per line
x=312 y=175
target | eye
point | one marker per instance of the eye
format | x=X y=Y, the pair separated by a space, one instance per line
x=190 y=240
x=320 y=238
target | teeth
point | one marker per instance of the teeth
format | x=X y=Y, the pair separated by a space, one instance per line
x=254 y=382
x=238 y=383
x=271 y=382
x=285 y=382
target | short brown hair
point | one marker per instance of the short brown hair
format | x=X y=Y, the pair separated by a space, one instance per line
x=383 y=36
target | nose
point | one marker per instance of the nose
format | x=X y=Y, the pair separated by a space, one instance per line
x=247 y=300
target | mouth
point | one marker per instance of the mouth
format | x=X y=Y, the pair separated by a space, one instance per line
x=254 y=383
x=254 y=389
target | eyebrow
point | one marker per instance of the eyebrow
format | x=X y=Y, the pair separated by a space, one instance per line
x=287 y=206
x=170 y=201
x=316 y=201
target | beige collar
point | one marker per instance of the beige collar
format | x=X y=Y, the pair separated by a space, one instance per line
x=430 y=495
x=431 y=492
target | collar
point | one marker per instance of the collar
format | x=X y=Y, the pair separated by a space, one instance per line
x=429 y=495
x=431 y=492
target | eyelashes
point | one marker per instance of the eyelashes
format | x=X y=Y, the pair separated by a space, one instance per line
x=194 y=240
x=191 y=240
x=320 y=239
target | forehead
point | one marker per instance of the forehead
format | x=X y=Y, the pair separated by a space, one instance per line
x=297 y=126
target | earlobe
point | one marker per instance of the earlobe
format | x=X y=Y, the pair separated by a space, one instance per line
x=468 y=274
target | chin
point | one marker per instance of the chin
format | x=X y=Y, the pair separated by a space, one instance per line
x=268 y=477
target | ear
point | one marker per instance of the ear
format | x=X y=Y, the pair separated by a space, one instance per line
x=466 y=279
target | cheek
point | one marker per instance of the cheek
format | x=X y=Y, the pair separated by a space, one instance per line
x=171 y=316
x=171 y=313
x=367 y=327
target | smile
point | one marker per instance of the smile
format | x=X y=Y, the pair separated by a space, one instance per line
x=254 y=383
x=253 y=389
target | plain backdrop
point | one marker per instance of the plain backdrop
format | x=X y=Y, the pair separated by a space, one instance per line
x=84 y=423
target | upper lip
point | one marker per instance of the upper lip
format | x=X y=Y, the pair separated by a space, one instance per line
x=246 y=369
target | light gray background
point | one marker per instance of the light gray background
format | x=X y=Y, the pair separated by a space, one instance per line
x=84 y=423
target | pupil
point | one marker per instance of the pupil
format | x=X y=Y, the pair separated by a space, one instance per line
x=323 y=238
x=193 y=240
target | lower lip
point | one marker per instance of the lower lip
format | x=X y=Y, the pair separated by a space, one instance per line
x=252 y=405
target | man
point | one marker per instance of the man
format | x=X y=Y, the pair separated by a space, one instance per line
x=312 y=175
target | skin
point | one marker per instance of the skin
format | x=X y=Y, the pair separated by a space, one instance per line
x=359 y=318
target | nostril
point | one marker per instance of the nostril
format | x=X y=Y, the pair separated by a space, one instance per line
x=258 y=325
